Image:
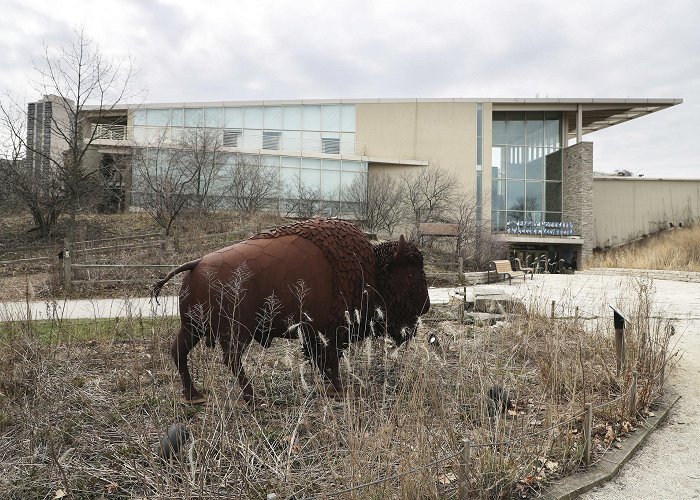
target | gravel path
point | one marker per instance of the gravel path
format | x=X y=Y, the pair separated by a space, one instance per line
x=667 y=466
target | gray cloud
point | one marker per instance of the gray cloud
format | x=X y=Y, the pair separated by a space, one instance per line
x=187 y=51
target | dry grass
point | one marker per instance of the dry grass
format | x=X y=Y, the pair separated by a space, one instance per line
x=677 y=249
x=83 y=404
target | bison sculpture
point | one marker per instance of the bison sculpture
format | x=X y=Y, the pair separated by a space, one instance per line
x=320 y=280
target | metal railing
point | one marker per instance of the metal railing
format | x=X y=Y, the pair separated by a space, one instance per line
x=229 y=138
x=111 y=132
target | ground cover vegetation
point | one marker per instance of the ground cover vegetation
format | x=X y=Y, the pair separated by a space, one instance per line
x=676 y=249
x=85 y=403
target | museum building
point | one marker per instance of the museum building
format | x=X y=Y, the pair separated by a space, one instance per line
x=524 y=161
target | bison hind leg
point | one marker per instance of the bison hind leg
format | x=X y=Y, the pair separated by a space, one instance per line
x=185 y=341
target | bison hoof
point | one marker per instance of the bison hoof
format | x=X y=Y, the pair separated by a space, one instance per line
x=193 y=398
x=335 y=392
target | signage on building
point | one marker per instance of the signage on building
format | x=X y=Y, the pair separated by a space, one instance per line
x=540 y=228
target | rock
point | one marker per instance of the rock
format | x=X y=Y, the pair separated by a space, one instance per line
x=172 y=443
x=499 y=304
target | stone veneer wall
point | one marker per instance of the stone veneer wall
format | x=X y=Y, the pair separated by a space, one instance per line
x=577 y=203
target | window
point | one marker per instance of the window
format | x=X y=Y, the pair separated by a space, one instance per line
x=330 y=145
x=231 y=136
x=526 y=167
x=271 y=139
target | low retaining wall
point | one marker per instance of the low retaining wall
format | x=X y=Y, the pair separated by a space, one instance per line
x=657 y=274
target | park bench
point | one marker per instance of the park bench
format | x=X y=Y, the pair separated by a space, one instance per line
x=526 y=270
x=503 y=268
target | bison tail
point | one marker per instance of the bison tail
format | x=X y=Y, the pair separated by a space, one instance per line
x=188 y=266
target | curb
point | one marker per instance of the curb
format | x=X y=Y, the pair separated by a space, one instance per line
x=575 y=485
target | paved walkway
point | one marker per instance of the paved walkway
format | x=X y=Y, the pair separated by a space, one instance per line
x=666 y=468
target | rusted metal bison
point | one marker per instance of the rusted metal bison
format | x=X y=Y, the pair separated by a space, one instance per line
x=320 y=280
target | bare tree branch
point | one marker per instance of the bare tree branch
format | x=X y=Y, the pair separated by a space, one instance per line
x=253 y=185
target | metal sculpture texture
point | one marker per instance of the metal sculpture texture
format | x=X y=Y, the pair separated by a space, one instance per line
x=320 y=280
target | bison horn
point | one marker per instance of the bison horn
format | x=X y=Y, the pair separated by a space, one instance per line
x=400 y=250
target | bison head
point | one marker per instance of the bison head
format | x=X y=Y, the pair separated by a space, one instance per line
x=402 y=287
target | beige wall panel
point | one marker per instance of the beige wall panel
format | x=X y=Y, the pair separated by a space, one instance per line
x=438 y=132
x=626 y=209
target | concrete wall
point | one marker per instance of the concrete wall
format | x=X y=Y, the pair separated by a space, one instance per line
x=443 y=133
x=577 y=203
x=628 y=208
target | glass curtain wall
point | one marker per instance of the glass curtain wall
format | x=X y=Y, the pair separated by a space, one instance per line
x=284 y=134
x=526 y=168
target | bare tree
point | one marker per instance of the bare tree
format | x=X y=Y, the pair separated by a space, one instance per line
x=253 y=184
x=203 y=156
x=74 y=76
x=41 y=195
x=430 y=194
x=163 y=182
x=377 y=201
x=302 y=200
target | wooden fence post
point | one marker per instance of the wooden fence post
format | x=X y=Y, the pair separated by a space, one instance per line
x=619 y=323
x=576 y=315
x=460 y=265
x=464 y=470
x=552 y=313
x=67 y=259
x=662 y=372
x=633 y=396
x=587 y=431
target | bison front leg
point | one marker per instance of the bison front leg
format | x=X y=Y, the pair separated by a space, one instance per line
x=325 y=357
x=183 y=344
x=331 y=371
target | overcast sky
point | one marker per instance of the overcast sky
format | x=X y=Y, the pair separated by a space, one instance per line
x=187 y=50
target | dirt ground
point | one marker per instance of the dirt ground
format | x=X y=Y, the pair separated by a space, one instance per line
x=14 y=288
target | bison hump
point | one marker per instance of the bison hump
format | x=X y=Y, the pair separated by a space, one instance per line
x=347 y=250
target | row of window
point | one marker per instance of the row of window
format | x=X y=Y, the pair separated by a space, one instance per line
x=328 y=178
x=279 y=140
x=531 y=128
x=317 y=117
x=527 y=196
x=525 y=162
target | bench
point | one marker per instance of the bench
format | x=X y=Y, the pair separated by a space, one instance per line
x=503 y=268
x=437 y=229
x=526 y=270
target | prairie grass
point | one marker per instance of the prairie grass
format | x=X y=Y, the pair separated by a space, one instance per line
x=677 y=249
x=83 y=414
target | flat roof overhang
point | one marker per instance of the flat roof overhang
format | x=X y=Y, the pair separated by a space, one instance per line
x=597 y=114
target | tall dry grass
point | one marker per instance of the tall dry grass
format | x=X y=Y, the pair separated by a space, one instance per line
x=676 y=249
x=84 y=416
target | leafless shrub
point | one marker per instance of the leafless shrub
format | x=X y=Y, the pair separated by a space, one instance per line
x=303 y=201
x=254 y=185
x=376 y=201
x=202 y=156
x=164 y=181
x=430 y=194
